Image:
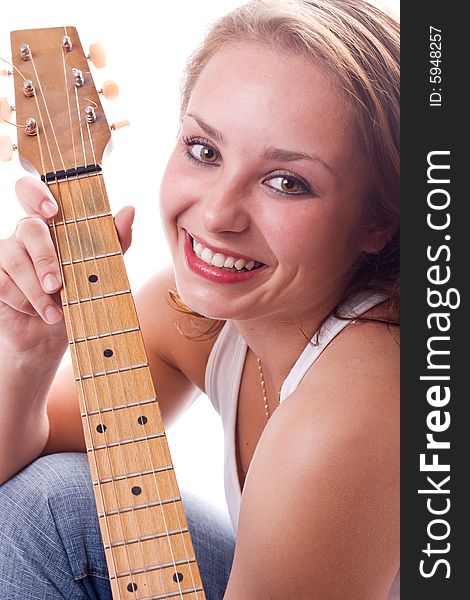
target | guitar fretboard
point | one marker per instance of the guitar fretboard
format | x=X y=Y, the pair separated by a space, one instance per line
x=145 y=533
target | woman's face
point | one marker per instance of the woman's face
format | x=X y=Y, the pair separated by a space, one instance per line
x=266 y=171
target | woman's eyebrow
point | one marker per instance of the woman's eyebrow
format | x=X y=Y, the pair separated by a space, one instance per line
x=269 y=153
x=291 y=155
x=214 y=133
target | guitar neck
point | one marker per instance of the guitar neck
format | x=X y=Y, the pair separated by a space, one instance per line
x=143 y=525
x=63 y=133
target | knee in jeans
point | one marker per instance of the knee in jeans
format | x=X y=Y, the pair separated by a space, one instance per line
x=27 y=498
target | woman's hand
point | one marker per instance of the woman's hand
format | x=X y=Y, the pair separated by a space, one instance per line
x=31 y=317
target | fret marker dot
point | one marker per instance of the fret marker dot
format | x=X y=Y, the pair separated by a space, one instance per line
x=142 y=420
x=132 y=587
x=101 y=428
x=136 y=490
x=108 y=352
x=93 y=278
x=177 y=577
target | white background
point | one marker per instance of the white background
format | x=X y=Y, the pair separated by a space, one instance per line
x=146 y=49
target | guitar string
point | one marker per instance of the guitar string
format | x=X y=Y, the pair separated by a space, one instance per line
x=92 y=305
x=103 y=194
x=65 y=292
x=109 y=328
x=95 y=321
x=156 y=482
x=150 y=457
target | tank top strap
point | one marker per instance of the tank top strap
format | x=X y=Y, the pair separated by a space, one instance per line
x=359 y=304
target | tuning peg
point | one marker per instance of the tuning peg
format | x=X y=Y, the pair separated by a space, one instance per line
x=97 y=55
x=110 y=90
x=120 y=124
x=5 y=111
x=6 y=148
x=5 y=72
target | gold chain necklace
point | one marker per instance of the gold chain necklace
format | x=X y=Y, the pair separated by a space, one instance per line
x=263 y=389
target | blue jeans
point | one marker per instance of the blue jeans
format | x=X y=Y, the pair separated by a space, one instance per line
x=50 y=543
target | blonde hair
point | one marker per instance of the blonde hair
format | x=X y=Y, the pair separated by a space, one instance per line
x=357 y=43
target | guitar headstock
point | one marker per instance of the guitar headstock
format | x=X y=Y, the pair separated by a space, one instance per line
x=61 y=123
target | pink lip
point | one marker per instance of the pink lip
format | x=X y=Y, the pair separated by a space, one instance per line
x=214 y=273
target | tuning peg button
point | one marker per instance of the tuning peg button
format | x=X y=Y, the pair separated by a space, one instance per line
x=97 y=55
x=5 y=72
x=110 y=90
x=5 y=111
x=120 y=124
x=6 y=148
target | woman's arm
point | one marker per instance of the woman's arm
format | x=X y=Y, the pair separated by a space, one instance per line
x=320 y=508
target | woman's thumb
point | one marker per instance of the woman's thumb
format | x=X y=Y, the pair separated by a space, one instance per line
x=123 y=221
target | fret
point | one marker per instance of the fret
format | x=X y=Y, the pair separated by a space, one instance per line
x=150 y=505
x=80 y=200
x=103 y=335
x=92 y=413
x=134 y=423
x=164 y=551
x=119 y=353
x=88 y=258
x=148 y=453
x=131 y=475
x=116 y=388
x=146 y=538
x=97 y=277
x=176 y=578
x=86 y=238
x=147 y=488
x=55 y=223
x=129 y=441
x=148 y=568
x=110 y=372
x=154 y=520
x=97 y=297
x=104 y=314
x=199 y=595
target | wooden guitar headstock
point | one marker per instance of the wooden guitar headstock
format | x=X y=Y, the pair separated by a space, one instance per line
x=62 y=126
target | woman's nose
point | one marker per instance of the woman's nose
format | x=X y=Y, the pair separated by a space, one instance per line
x=224 y=209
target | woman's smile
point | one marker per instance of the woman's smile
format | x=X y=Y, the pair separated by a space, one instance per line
x=219 y=265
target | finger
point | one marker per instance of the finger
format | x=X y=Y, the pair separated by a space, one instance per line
x=18 y=266
x=35 y=197
x=123 y=221
x=11 y=295
x=33 y=235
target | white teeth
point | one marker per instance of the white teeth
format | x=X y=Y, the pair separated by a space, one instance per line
x=206 y=255
x=221 y=261
x=218 y=260
x=240 y=263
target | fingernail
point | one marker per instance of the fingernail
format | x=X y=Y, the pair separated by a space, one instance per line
x=48 y=208
x=50 y=282
x=52 y=314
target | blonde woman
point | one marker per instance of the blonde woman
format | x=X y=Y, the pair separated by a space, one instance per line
x=280 y=206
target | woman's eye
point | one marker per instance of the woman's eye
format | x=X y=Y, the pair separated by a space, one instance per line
x=203 y=153
x=287 y=185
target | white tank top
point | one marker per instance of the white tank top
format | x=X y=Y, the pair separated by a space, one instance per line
x=223 y=376
x=224 y=370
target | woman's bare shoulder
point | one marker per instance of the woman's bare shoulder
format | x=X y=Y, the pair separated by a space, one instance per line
x=328 y=466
